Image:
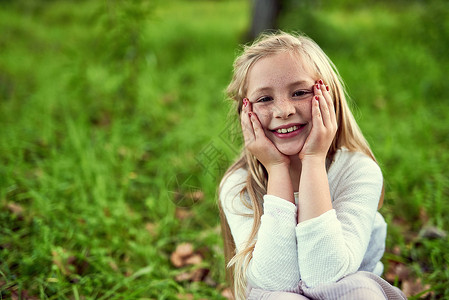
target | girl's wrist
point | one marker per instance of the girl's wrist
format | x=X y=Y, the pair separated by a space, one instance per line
x=278 y=169
x=313 y=160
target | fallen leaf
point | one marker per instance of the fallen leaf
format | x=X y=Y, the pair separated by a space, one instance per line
x=423 y=215
x=176 y=260
x=184 y=249
x=209 y=281
x=414 y=286
x=227 y=294
x=396 y=250
x=195 y=259
x=185 y=296
x=432 y=232
x=199 y=274
x=182 y=213
x=183 y=276
x=196 y=196
x=15 y=209
x=151 y=228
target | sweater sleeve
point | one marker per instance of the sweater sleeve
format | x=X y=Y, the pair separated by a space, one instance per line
x=274 y=263
x=333 y=244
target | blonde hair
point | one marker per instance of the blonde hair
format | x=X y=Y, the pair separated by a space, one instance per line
x=348 y=135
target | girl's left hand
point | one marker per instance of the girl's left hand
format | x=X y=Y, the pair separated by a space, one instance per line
x=324 y=124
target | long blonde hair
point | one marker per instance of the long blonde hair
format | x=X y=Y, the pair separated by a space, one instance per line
x=348 y=135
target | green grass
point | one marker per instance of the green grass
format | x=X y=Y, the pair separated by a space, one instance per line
x=108 y=110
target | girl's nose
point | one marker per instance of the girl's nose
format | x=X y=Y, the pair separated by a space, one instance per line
x=283 y=109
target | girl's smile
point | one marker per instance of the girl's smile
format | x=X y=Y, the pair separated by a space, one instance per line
x=280 y=89
x=288 y=131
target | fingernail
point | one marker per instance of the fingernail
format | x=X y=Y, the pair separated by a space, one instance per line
x=245 y=103
x=249 y=114
x=327 y=88
x=320 y=81
x=318 y=86
x=317 y=98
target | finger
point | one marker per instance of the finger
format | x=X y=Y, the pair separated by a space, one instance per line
x=258 y=130
x=324 y=91
x=330 y=103
x=332 y=110
x=247 y=128
x=316 y=113
x=317 y=89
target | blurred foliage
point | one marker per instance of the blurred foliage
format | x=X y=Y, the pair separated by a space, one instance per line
x=111 y=111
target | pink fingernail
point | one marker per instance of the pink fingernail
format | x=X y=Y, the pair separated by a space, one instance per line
x=317 y=98
x=318 y=86
x=327 y=88
x=320 y=81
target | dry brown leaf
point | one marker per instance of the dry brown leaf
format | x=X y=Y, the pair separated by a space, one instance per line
x=414 y=286
x=402 y=271
x=423 y=215
x=396 y=250
x=196 y=196
x=176 y=260
x=227 y=294
x=398 y=271
x=180 y=255
x=432 y=232
x=183 y=276
x=184 y=249
x=185 y=296
x=15 y=209
x=195 y=259
x=199 y=274
x=390 y=275
x=182 y=213
x=151 y=228
x=209 y=281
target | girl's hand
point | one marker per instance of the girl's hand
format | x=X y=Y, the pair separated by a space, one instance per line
x=324 y=124
x=257 y=142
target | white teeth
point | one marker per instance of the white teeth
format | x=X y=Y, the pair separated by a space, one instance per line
x=285 y=130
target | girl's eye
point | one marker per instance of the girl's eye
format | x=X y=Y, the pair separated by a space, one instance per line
x=301 y=93
x=264 y=99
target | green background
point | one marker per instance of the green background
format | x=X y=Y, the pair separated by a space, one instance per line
x=113 y=116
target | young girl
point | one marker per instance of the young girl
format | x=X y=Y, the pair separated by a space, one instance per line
x=299 y=208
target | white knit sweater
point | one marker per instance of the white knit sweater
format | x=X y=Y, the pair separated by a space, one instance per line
x=339 y=242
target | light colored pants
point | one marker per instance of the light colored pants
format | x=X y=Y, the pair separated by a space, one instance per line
x=358 y=286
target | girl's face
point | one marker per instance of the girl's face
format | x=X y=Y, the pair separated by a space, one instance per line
x=280 y=89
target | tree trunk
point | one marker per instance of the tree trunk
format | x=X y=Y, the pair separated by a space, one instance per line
x=265 y=13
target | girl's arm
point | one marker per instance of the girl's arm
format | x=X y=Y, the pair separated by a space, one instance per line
x=314 y=196
x=335 y=243
x=333 y=236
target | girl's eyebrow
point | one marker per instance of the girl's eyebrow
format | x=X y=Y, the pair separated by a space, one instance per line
x=295 y=83
x=301 y=82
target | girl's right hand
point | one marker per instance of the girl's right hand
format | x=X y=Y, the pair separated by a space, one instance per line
x=257 y=142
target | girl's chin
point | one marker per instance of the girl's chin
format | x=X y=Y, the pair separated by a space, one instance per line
x=290 y=151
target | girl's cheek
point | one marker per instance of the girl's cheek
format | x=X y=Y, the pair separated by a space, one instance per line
x=263 y=115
